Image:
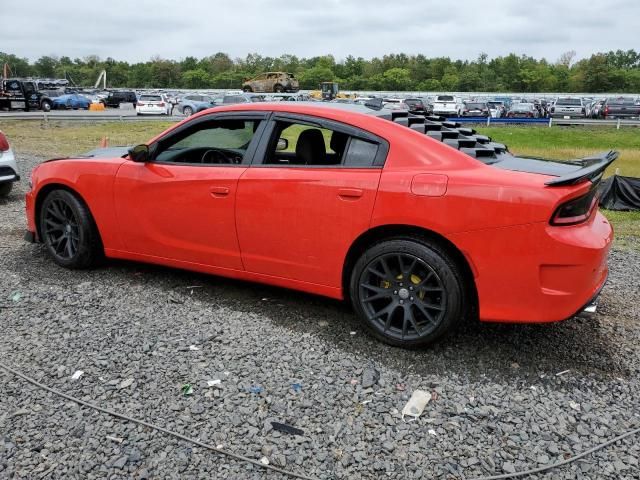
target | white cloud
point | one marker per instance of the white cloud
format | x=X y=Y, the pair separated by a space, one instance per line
x=136 y=31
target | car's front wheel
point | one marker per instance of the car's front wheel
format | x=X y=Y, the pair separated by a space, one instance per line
x=46 y=106
x=407 y=292
x=68 y=230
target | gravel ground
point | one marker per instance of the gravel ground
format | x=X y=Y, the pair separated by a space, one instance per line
x=139 y=333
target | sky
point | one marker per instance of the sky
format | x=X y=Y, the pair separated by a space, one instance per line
x=460 y=29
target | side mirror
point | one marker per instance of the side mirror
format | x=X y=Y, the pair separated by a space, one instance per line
x=283 y=144
x=139 y=153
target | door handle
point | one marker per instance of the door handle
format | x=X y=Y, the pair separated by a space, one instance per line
x=350 y=192
x=219 y=191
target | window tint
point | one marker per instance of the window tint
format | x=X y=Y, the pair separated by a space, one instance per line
x=214 y=142
x=360 y=153
x=150 y=98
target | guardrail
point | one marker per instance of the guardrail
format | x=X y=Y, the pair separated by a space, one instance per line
x=547 y=121
x=85 y=117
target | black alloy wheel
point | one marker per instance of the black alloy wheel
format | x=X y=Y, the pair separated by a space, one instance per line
x=68 y=230
x=407 y=293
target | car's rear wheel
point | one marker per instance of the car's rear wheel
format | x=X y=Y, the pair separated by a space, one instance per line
x=46 y=106
x=247 y=89
x=188 y=111
x=277 y=88
x=68 y=230
x=408 y=293
x=5 y=189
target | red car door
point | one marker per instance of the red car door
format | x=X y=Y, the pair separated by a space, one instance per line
x=181 y=204
x=301 y=206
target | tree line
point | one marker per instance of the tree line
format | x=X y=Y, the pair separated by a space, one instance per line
x=611 y=71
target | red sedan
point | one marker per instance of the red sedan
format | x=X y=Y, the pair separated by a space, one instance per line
x=418 y=222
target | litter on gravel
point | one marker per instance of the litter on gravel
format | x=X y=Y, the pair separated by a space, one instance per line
x=416 y=404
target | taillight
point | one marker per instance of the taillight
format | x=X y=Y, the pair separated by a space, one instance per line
x=161 y=104
x=606 y=110
x=4 y=143
x=577 y=210
x=140 y=104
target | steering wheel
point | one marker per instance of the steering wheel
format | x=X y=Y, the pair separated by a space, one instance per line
x=215 y=156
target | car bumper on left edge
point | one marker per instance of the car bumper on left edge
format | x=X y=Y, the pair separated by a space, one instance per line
x=8 y=167
x=538 y=273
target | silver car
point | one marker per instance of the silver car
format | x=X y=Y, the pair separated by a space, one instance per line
x=568 y=108
x=8 y=167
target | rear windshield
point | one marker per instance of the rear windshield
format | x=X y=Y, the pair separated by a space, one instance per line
x=569 y=101
x=494 y=104
x=150 y=98
x=620 y=101
x=476 y=106
x=522 y=107
x=445 y=98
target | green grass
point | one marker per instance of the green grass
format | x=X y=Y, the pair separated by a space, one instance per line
x=566 y=143
x=61 y=139
x=57 y=139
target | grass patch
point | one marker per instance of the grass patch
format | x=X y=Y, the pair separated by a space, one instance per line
x=566 y=143
x=625 y=224
x=62 y=139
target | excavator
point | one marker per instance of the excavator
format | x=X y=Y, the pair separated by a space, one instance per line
x=327 y=91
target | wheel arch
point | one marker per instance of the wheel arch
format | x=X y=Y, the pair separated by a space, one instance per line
x=42 y=194
x=381 y=233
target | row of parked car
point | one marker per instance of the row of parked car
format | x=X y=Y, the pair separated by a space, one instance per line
x=562 y=107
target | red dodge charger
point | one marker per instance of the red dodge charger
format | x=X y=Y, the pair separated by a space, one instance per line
x=419 y=222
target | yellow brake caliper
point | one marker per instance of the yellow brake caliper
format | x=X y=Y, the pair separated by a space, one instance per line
x=414 y=279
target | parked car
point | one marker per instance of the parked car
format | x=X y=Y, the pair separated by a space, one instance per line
x=567 y=107
x=415 y=106
x=115 y=98
x=418 y=223
x=523 y=110
x=8 y=167
x=276 y=82
x=153 y=105
x=190 y=104
x=393 y=104
x=70 y=101
x=242 y=98
x=497 y=108
x=475 y=109
x=448 y=106
x=621 y=107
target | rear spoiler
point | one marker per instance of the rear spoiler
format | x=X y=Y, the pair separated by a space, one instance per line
x=592 y=168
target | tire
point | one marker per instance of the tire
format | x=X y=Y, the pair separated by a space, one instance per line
x=247 y=89
x=5 y=189
x=277 y=88
x=68 y=231
x=46 y=106
x=188 y=111
x=416 y=299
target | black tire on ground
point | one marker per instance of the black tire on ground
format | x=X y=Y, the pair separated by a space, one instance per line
x=188 y=111
x=408 y=292
x=46 y=106
x=68 y=231
x=277 y=88
x=247 y=89
x=5 y=189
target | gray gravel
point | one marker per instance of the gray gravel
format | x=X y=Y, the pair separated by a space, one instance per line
x=140 y=333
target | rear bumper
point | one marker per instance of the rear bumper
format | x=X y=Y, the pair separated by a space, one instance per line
x=538 y=273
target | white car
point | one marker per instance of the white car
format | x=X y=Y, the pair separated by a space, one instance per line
x=153 y=105
x=448 y=106
x=8 y=167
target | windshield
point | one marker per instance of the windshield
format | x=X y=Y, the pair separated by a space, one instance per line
x=569 y=101
x=620 y=101
x=445 y=98
x=476 y=106
x=150 y=98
